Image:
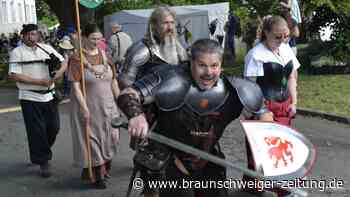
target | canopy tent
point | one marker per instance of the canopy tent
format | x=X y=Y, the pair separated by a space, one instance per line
x=134 y=22
x=219 y=11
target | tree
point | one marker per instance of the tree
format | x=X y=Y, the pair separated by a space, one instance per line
x=53 y=11
x=338 y=20
x=44 y=13
x=315 y=15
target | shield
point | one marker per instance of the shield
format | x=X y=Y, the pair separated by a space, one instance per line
x=90 y=3
x=278 y=150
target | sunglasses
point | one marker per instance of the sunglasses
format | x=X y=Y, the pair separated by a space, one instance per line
x=280 y=37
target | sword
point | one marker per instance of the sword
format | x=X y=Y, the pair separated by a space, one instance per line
x=121 y=123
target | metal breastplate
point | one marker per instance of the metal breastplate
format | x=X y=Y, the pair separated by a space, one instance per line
x=274 y=83
x=197 y=113
x=178 y=91
x=198 y=118
x=203 y=102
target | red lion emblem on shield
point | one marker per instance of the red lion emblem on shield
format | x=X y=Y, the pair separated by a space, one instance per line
x=280 y=150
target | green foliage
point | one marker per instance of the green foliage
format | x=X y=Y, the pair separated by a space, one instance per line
x=341 y=45
x=45 y=15
x=313 y=49
x=339 y=21
x=49 y=21
x=250 y=13
x=316 y=14
x=309 y=6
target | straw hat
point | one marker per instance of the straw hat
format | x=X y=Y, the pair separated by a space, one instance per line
x=65 y=43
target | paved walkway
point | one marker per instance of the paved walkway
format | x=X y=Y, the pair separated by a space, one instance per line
x=20 y=178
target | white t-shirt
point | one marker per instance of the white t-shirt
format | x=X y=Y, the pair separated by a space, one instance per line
x=257 y=56
x=37 y=70
x=125 y=42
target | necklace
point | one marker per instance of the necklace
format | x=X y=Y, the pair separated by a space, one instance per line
x=278 y=57
x=276 y=53
x=284 y=81
x=98 y=73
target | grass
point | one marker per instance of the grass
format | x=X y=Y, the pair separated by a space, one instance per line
x=325 y=93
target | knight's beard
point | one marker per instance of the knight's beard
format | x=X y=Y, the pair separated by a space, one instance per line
x=168 y=49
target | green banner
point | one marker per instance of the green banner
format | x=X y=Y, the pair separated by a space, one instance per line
x=90 y=3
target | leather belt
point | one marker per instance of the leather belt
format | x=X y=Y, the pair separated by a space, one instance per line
x=42 y=91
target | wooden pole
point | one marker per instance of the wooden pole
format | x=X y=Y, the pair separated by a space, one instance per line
x=83 y=89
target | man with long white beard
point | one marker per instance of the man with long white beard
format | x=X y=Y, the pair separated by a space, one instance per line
x=159 y=46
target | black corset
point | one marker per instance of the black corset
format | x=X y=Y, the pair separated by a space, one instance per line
x=274 y=83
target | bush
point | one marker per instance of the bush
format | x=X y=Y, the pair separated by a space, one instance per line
x=312 y=49
x=339 y=21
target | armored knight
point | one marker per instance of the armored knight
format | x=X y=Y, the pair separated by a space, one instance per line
x=159 y=46
x=194 y=106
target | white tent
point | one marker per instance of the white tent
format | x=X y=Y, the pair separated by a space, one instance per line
x=217 y=11
x=134 y=22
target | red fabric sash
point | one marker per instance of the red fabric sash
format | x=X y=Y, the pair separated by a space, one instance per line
x=281 y=111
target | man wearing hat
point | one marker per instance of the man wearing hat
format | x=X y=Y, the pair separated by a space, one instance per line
x=67 y=50
x=29 y=69
x=118 y=44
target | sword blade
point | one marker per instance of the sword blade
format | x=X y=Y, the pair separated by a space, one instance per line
x=207 y=156
x=202 y=154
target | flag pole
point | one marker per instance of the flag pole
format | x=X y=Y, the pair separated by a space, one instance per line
x=83 y=89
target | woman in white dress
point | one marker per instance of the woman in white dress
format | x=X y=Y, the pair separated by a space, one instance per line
x=273 y=65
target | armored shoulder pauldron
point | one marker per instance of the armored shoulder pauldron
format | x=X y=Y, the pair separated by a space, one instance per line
x=249 y=93
x=137 y=55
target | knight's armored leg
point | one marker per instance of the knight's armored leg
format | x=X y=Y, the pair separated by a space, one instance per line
x=213 y=172
x=151 y=159
x=174 y=175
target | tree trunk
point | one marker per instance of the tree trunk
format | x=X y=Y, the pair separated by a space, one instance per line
x=65 y=12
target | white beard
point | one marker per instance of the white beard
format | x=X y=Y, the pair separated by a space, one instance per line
x=168 y=50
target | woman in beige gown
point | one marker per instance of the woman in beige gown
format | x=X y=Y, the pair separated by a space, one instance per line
x=96 y=110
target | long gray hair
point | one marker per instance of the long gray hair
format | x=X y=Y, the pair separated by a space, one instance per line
x=153 y=35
